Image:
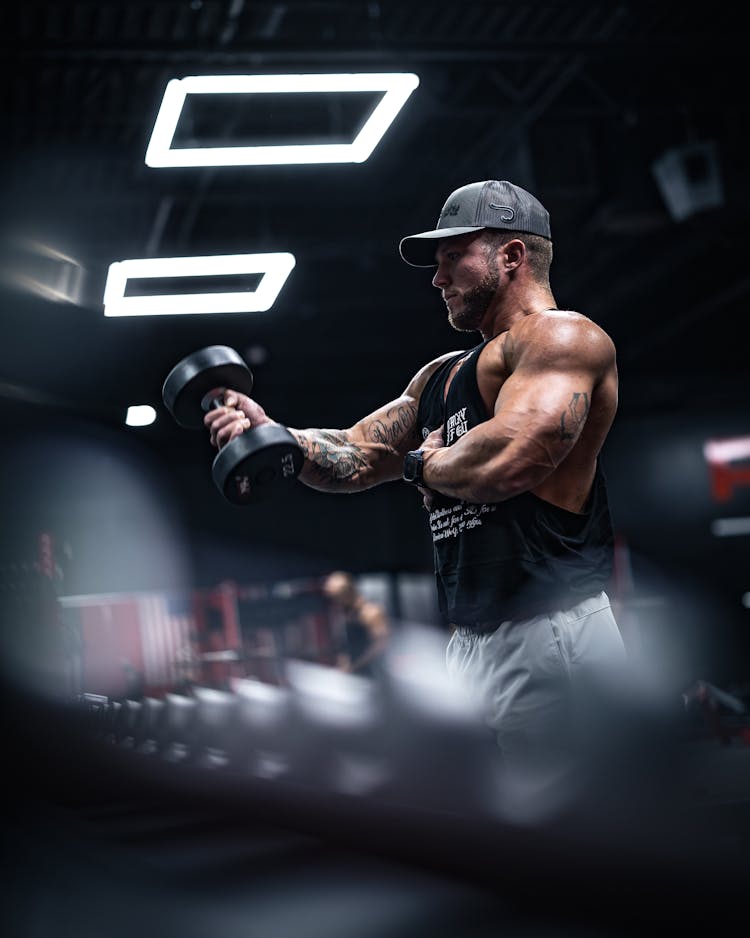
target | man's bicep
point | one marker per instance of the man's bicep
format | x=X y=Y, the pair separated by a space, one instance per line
x=555 y=376
x=526 y=439
x=549 y=407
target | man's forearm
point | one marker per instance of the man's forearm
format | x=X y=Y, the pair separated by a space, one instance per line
x=365 y=455
x=485 y=471
x=333 y=462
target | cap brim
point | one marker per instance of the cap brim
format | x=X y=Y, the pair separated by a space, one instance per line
x=419 y=249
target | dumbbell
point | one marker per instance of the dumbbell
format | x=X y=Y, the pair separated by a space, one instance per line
x=252 y=466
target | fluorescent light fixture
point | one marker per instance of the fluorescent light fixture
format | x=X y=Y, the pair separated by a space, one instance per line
x=396 y=85
x=730 y=527
x=140 y=415
x=274 y=267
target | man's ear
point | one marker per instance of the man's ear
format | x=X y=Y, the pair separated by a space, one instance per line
x=514 y=252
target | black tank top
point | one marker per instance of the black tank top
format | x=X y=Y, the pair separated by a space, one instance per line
x=513 y=558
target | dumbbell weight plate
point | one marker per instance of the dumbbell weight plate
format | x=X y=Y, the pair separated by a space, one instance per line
x=191 y=379
x=256 y=464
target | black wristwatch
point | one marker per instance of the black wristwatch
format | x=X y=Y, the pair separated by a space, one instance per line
x=413 y=462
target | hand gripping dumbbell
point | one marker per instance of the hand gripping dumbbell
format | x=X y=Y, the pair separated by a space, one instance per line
x=252 y=466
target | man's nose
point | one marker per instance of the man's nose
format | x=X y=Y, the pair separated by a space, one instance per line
x=441 y=278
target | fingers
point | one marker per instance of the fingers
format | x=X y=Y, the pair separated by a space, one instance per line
x=237 y=427
x=427 y=498
x=238 y=414
x=250 y=408
x=232 y=399
x=224 y=424
x=434 y=440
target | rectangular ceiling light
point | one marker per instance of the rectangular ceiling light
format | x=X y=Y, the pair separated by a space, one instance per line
x=275 y=269
x=396 y=87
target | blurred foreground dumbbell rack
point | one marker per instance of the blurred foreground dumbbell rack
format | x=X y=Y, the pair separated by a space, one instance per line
x=220 y=719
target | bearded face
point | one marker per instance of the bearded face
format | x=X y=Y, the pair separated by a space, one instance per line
x=467 y=314
x=467 y=307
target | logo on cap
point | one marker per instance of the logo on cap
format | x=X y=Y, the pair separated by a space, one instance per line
x=453 y=209
x=508 y=213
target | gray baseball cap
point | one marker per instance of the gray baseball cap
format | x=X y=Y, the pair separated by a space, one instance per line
x=489 y=204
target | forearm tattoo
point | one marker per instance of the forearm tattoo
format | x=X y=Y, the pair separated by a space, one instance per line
x=331 y=456
x=334 y=461
x=573 y=419
x=398 y=425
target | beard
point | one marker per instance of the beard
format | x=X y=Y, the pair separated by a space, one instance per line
x=476 y=302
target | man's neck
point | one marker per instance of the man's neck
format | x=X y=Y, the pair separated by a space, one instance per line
x=515 y=306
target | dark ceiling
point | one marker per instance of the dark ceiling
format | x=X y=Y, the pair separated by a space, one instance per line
x=573 y=100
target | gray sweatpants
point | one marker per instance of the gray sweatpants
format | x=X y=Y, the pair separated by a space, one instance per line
x=533 y=679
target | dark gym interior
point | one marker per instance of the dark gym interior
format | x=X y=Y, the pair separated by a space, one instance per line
x=628 y=121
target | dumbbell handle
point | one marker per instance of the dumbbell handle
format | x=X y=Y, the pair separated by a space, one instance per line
x=212 y=400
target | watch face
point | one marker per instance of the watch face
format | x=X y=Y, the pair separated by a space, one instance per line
x=413 y=467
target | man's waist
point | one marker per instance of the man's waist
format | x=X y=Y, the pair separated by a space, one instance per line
x=530 y=609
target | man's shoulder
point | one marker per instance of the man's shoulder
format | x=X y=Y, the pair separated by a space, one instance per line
x=550 y=319
x=445 y=357
x=560 y=332
x=556 y=324
x=420 y=379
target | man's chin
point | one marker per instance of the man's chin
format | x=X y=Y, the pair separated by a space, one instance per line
x=462 y=323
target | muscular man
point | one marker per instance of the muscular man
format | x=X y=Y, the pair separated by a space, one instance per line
x=504 y=442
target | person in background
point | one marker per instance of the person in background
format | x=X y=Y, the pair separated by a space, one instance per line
x=362 y=624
